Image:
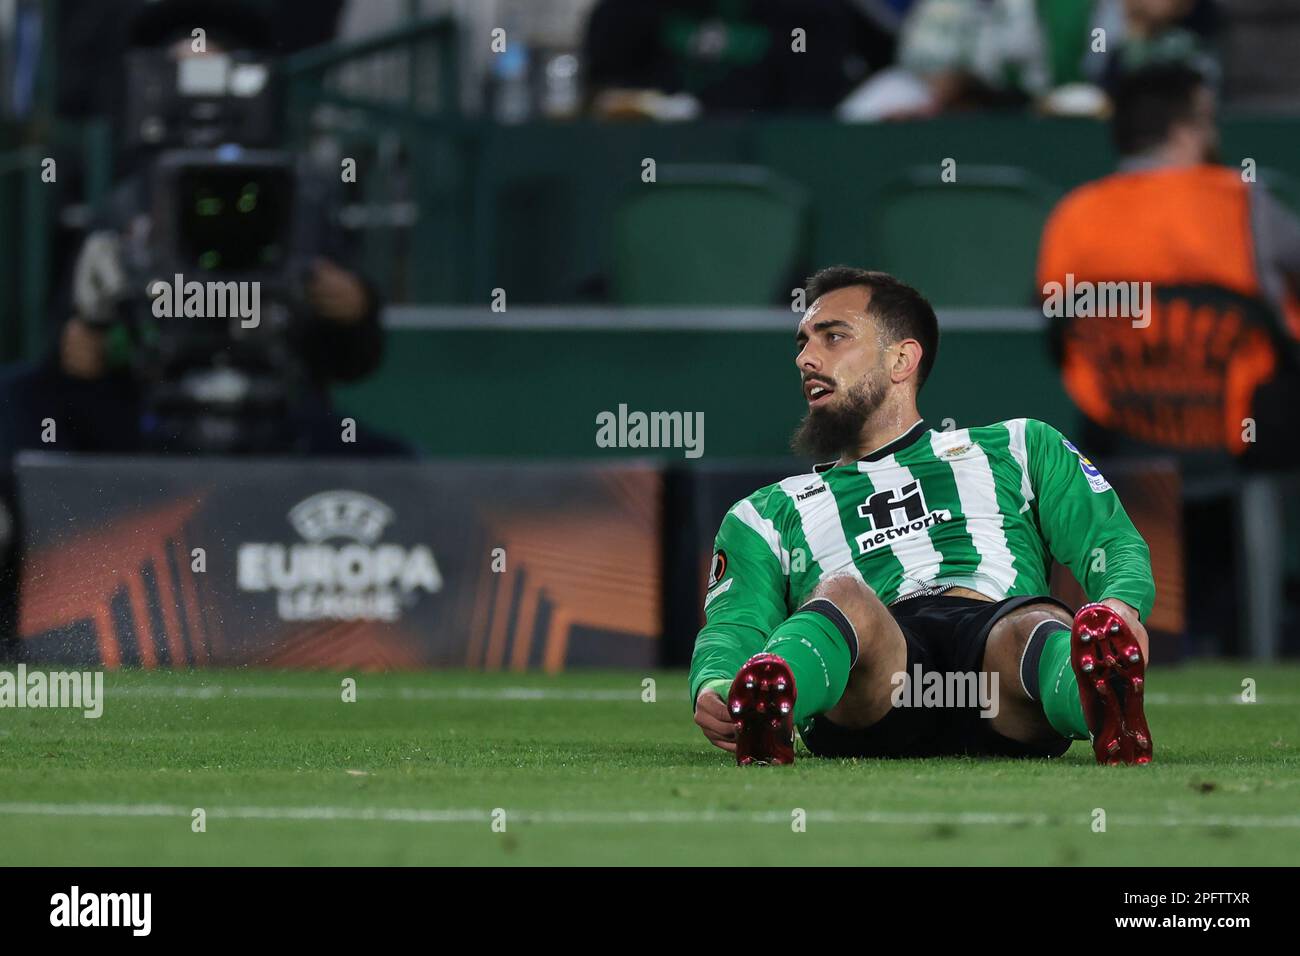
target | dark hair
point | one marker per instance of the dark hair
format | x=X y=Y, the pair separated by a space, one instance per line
x=1149 y=102
x=901 y=311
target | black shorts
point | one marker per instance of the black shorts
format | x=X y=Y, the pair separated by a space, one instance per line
x=946 y=635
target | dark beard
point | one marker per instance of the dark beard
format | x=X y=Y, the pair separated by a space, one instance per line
x=827 y=433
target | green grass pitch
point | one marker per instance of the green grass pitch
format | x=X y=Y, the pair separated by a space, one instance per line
x=586 y=772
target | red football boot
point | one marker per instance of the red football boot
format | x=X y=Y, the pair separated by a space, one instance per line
x=761 y=702
x=1111 y=672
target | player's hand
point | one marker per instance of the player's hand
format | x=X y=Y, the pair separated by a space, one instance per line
x=81 y=350
x=336 y=294
x=1130 y=616
x=712 y=717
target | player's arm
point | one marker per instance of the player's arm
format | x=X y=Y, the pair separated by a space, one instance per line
x=745 y=601
x=1085 y=526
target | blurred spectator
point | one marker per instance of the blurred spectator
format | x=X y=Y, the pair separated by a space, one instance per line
x=1173 y=217
x=728 y=55
x=1143 y=33
x=959 y=54
x=1210 y=367
x=986 y=54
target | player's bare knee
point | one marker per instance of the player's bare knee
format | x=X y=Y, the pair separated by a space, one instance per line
x=855 y=600
x=878 y=646
x=845 y=591
x=1010 y=637
x=868 y=617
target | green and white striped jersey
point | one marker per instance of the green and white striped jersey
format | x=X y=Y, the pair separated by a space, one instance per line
x=981 y=508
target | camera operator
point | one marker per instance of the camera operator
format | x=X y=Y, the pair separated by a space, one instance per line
x=91 y=384
x=98 y=388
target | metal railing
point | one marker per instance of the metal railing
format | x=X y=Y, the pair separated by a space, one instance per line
x=391 y=104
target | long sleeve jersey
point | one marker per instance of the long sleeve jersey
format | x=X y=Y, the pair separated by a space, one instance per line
x=980 y=508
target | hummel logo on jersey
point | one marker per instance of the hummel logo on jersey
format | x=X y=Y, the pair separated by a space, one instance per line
x=811 y=490
x=884 y=507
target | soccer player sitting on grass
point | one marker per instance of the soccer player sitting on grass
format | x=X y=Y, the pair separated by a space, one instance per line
x=918 y=555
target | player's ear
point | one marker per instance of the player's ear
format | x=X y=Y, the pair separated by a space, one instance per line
x=907 y=359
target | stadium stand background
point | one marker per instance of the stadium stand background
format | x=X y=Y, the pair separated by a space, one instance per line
x=456 y=204
x=530 y=208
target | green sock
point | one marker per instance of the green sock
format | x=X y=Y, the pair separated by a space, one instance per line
x=1059 y=688
x=819 y=656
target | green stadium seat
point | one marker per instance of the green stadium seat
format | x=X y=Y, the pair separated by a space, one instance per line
x=709 y=235
x=973 y=242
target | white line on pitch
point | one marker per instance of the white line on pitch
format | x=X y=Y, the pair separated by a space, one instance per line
x=1214 y=700
x=220 y=692
x=622 y=817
